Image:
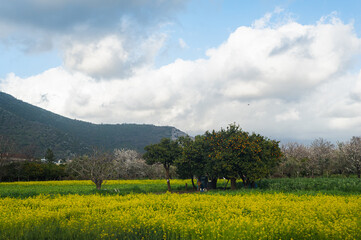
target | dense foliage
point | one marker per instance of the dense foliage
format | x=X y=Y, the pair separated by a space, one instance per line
x=166 y=152
x=32 y=171
x=33 y=129
x=229 y=153
x=236 y=154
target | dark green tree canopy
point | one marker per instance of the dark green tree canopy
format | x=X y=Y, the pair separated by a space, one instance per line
x=236 y=154
x=166 y=153
x=231 y=153
x=193 y=158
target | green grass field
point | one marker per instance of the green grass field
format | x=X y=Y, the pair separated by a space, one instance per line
x=311 y=186
x=110 y=187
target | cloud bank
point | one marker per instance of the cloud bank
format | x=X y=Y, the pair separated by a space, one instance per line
x=280 y=79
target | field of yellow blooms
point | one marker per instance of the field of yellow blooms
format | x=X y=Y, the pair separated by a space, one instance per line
x=181 y=216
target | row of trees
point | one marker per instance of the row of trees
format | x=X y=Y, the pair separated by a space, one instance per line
x=119 y=164
x=321 y=158
x=32 y=171
x=23 y=167
x=229 y=153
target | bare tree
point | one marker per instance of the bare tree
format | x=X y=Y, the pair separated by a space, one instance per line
x=295 y=160
x=322 y=155
x=98 y=167
x=351 y=153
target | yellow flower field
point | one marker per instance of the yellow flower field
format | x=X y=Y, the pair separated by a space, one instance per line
x=181 y=216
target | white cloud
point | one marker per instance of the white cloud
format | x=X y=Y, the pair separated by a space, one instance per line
x=285 y=81
x=292 y=114
x=182 y=43
x=262 y=22
x=344 y=123
x=104 y=56
x=111 y=56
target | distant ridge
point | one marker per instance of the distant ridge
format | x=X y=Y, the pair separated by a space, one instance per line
x=34 y=129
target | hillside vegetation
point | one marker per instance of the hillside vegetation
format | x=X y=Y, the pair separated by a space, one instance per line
x=33 y=130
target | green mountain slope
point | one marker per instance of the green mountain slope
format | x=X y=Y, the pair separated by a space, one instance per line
x=35 y=129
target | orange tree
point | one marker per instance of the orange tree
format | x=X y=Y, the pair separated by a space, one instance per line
x=236 y=154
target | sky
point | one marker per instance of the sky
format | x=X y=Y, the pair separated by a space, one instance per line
x=287 y=69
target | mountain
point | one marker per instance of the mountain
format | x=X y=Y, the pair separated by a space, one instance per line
x=33 y=129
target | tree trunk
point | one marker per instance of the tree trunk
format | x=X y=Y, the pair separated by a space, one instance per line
x=213 y=183
x=167 y=177
x=233 y=183
x=225 y=187
x=194 y=186
x=243 y=177
x=98 y=184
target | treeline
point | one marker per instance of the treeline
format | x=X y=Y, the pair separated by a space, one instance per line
x=229 y=153
x=320 y=158
x=125 y=164
x=32 y=171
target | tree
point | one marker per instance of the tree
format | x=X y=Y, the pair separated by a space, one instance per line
x=193 y=158
x=351 y=152
x=97 y=167
x=165 y=152
x=49 y=156
x=130 y=165
x=237 y=154
x=321 y=156
x=215 y=166
x=295 y=160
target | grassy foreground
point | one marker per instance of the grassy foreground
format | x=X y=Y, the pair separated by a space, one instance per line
x=86 y=187
x=135 y=209
x=300 y=186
